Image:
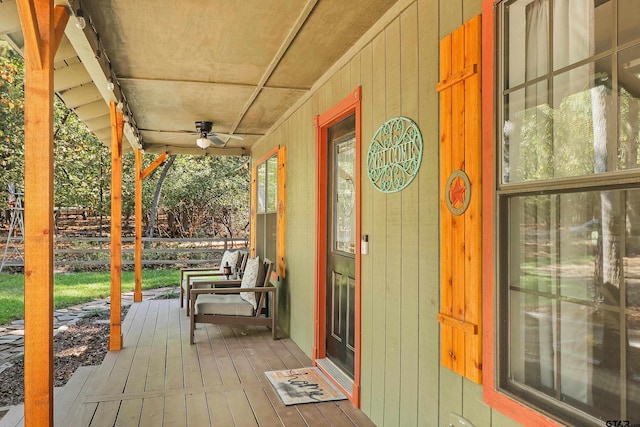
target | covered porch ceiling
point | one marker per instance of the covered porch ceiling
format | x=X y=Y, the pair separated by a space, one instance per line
x=238 y=64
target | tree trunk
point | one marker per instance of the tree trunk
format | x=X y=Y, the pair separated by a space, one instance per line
x=156 y=196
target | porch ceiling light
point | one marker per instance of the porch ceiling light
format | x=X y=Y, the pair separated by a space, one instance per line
x=81 y=23
x=203 y=142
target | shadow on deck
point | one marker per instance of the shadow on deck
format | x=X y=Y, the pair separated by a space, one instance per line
x=159 y=379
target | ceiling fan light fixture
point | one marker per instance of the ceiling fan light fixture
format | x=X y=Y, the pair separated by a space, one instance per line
x=203 y=143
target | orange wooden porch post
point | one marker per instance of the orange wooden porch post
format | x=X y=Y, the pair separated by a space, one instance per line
x=43 y=26
x=140 y=176
x=115 y=336
x=137 y=292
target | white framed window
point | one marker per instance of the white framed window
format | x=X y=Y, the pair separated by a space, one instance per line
x=266 y=220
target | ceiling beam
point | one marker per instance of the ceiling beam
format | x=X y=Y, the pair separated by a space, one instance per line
x=138 y=79
x=293 y=32
x=100 y=75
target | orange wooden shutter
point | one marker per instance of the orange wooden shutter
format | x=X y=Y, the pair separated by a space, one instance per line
x=282 y=211
x=253 y=219
x=461 y=230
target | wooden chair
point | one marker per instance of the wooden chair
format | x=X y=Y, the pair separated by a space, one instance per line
x=233 y=305
x=193 y=278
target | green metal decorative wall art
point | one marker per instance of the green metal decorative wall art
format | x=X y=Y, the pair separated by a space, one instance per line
x=394 y=155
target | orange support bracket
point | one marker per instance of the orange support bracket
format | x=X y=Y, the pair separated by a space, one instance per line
x=157 y=162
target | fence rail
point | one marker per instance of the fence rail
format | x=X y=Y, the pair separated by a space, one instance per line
x=74 y=252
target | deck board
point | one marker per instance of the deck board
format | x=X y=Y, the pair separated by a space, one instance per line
x=175 y=411
x=240 y=408
x=106 y=414
x=152 y=412
x=67 y=396
x=219 y=409
x=155 y=375
x=197 y=410
x=262 y=407
x=174 y=378
x=129 y=413
x=210 y=373
x=159 y=379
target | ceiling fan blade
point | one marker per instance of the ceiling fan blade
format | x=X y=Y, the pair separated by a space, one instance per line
x=180 y=136
x=229 y=135
x=213 y=138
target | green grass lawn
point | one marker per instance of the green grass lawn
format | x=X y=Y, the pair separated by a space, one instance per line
x=75 y=288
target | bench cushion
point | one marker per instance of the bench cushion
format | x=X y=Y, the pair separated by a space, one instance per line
x=223 y=304
x=251 y=280
x=231 y=258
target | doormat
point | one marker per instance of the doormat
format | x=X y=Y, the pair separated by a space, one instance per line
x=304 y=385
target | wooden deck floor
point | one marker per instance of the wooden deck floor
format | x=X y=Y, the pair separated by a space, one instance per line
x=159 y=379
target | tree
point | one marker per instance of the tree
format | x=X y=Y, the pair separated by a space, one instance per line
x=207 y=196
x=156 y=195
x=81 y=164
x=11 y=118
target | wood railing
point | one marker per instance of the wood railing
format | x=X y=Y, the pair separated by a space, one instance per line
x=78 y=252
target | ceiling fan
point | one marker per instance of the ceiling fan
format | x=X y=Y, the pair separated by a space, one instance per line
x=207 y=137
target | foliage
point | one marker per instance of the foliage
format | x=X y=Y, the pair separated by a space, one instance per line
x=207 y=195
x=11 y=117
x=81 y=162
x=202 y=196
x=76 y=288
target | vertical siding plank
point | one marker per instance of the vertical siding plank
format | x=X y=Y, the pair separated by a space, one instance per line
x=409 y=350
x=450 y=12
x=458 y=222
x=451 y=394
x=300 y=215
x=473 y=216
x=355 y=79
x=474 y=408
x=429 y=226
x=366 y=72
x=342 y=86
x=446 y=278
x=377 y=246
x=394 y=242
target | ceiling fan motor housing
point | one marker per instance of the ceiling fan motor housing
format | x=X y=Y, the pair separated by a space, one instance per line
x=203 y=126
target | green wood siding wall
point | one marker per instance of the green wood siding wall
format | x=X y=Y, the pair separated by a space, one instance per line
x=396 y=64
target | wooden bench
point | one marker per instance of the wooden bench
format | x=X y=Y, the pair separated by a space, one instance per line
x=233 y=305
x=193 y=278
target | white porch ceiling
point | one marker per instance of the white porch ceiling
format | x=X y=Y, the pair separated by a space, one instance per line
x=240 y=64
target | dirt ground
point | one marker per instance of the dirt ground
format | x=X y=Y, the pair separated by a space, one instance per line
x=83 y=344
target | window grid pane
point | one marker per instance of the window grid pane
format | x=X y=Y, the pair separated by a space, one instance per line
x=569 y=261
